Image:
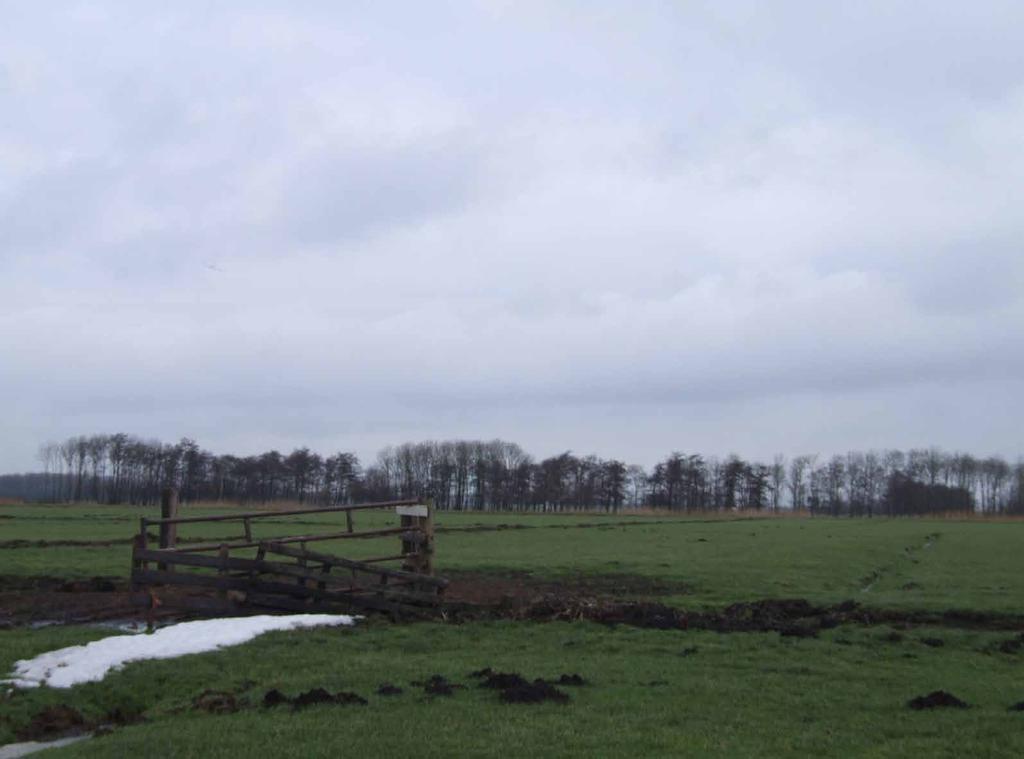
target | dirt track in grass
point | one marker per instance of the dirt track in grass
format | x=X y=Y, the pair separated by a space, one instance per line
x=605 y=599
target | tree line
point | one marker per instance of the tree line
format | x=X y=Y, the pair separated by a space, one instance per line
x=462 y=475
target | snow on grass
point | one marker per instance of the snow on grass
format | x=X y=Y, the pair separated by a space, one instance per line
x=90 y=663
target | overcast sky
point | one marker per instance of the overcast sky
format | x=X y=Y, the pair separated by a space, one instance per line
x=611 y=227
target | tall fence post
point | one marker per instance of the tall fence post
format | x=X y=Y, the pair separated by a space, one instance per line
x=168 y=510
x=419 y=553
x=427 y=567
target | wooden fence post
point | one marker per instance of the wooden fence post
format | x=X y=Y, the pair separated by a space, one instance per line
x=168 y=510
x=427 y=566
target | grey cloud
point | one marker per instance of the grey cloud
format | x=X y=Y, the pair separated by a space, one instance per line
x=334 y=196
x=716 y=226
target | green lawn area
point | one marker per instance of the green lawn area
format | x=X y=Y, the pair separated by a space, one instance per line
x=842 y=694
x=743 y=694
x=905 y=563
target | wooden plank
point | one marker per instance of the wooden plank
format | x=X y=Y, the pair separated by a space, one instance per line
x=250 y=566
x=276 y=548
x=297 y=512
x=406 y=535
x=419 y=510
x=375 y=559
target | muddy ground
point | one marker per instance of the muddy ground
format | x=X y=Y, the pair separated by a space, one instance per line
x=607 y=599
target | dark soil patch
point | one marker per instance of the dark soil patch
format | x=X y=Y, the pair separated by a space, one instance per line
x=935 y=700
x=27 y=600
x=274 y=698
x=312 y=697
x=536 y=692
x=215 y=702
x=516 y=689
x=52 y=722
x=387 y=689
x=573 y=680
x=607 y=599
x=1017 y=707
x=789 y=617
x=348 y=697
x=93 y=585
x=933 y=642
x=317 y=696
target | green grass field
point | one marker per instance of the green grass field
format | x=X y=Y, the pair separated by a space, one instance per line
x=652 y=692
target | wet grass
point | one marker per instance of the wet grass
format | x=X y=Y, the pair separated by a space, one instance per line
x=652 y=693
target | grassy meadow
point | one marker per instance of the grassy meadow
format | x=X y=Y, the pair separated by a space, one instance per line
x=651 y=692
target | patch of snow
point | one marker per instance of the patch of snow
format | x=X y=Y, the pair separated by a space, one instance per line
x=16 y=750
x=91 y=663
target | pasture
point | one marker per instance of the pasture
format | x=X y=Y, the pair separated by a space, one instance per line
x=940 y=606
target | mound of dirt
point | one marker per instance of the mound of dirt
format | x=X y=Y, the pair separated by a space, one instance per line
x=573 y=679
x=387 y=689
x=937 y=699
x=52 y=722
x=516 y=689
x=1017 y=707
x=312 y=697
x=274 y=698
x=348 y=697
x=533 y=693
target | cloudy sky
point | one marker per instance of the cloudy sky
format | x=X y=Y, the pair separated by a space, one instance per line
x=611 y=227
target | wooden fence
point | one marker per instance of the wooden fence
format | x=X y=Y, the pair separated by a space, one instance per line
x=284 y=573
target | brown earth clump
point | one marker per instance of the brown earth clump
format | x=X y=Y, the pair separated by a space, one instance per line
x=937 y=699
x=52 y=722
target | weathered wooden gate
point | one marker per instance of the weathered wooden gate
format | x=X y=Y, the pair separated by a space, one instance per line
x=284 y=574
